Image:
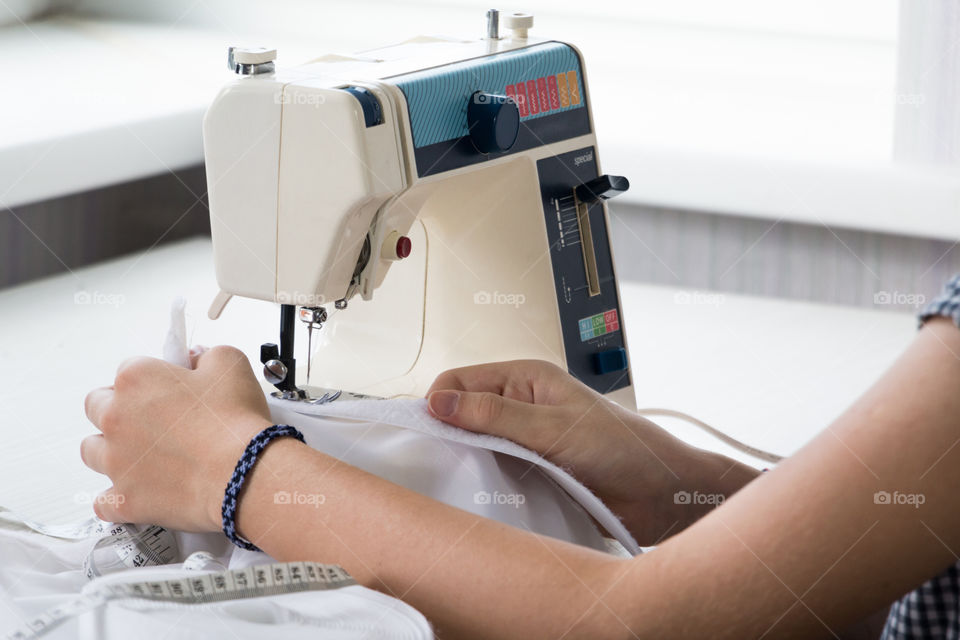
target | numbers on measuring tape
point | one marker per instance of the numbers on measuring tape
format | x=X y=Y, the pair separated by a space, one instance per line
x=127 y=546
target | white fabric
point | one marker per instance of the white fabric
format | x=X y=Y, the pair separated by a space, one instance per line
x=395 y=439
x=175 y=350
x=40 y=572
x=462 y=465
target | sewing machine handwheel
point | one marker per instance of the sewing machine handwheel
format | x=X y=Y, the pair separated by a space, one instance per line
x=493 y=121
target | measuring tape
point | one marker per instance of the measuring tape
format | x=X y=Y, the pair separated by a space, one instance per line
x=236 y=584
x=122 y=546
x=126 y=546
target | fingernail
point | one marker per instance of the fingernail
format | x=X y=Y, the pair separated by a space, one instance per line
x=443 y=404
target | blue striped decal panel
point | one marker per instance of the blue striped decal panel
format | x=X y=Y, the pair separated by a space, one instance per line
x=544 y=79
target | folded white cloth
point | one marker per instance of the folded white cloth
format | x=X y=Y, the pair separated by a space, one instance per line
x=41 y=573
x=493 y=477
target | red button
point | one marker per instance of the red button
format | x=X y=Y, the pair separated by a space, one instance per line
x=404 y=247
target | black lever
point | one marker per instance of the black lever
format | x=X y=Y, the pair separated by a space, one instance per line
x=602 y=188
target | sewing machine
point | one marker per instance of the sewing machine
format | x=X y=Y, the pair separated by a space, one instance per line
x=433 y=204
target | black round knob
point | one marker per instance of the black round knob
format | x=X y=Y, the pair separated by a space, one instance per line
x=493 y=121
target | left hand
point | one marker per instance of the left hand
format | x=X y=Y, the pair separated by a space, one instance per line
x=633 y=465
x=171 y=437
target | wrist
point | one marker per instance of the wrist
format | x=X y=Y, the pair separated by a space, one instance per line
x=242 y=431
x=266 y=499
x=680 y=485
x=705 y=481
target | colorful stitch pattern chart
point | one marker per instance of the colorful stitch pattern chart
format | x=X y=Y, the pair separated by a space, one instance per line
x=544 y=94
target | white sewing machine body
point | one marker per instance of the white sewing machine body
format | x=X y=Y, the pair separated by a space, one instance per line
x=317 y=194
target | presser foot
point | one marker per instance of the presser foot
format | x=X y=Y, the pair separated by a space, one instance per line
x=318 y=396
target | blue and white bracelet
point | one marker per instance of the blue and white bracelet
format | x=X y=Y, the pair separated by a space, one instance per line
x=244 y=466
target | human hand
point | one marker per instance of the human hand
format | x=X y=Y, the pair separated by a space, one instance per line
x=171 y=437
x=633 y=465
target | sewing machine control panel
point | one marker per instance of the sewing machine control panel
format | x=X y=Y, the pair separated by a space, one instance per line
x=589 y=306
x=485 y=108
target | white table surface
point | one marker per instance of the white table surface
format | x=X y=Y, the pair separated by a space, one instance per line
x=770 y=372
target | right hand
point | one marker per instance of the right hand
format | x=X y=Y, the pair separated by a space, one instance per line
x=157 y=421
x=633 y=465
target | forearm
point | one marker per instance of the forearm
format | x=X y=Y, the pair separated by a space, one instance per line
x=809 y=548
x=472 y=577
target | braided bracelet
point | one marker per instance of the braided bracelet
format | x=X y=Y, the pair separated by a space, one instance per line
x=245 y=464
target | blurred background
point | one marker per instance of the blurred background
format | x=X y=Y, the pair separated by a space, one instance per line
x=802 y=150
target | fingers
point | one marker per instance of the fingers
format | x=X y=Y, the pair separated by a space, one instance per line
x=134 y=370
x=219 y=359
x=486 y=412
x=96 y=403
x=93 y=451
x=109 y=504
x=515 y=379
